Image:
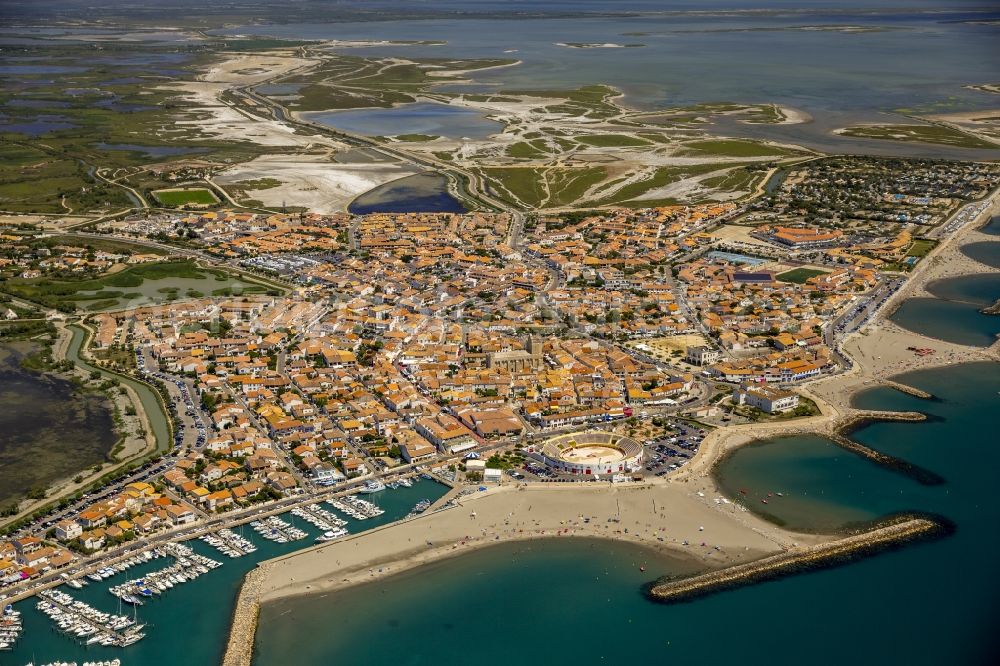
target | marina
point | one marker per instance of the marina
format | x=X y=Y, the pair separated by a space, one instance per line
x=10 y=628
x=87 y=624
x=188 y=567
x=277 y=530
x=356 y=508
x=321 y=519
x=230 y=543
x=182 y=606
x=108 y=662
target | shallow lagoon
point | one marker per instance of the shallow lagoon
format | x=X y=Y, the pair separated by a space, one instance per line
x=422 y=193
x=739 y=57
x=48 y=430
x=37 y=126
x=419 y=118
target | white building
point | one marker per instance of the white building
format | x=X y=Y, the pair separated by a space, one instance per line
x=492 y=475
x=702 y=355
x=769 y=399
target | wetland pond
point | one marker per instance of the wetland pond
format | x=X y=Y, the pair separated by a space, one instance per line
x=49 y=430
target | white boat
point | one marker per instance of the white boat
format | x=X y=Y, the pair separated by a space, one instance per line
x=331 y=535
x=372 y=486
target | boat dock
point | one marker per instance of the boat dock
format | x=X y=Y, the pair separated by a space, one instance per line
x=86 y=623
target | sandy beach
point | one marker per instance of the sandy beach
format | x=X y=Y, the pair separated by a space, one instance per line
x=660 y=516
x=880 y=349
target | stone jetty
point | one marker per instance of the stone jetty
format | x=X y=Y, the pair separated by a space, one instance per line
x=915 y=472
x=239 y=650
x=890 y=533
x=906 y=388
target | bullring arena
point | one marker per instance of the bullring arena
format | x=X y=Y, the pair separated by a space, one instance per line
x=592 y=453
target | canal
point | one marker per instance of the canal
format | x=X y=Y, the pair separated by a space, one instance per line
x=152 y=403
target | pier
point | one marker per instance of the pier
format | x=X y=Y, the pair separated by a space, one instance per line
x=88 y=624
x=907 y=389
x=239 y=649
x=894 y=532
x=917 y=473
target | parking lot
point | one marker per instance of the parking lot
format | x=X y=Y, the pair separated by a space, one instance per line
x=666 y=454
x=192 y=432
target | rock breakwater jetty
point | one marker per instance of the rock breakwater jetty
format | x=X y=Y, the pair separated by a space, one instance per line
x=909 y=390
x=841 y=437
x=992 y=309
x=890 y=533
x=239 y=650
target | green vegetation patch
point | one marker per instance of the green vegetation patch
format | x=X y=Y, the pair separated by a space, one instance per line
x=544 y=187
x=921 y=247
x=104 y=292
x=258 y=184
x=612 y=140
x=37 y=179
x=799 y=275
x=184 y=197
x=733 y=147
x=416 y=138
x=525 y=150
x=628 y=195
x=937 y=134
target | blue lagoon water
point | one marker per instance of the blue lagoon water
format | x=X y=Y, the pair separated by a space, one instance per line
x=954 y=314
x=36 y=126
x=950 y=321
x=422 y=193
x=419 y=118
x=992 y=227
x=985 y=252
x=838 y=76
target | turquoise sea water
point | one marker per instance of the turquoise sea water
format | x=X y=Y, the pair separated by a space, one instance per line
x=951 y=321
x=985 y=252
x=953 y=315
x=559 y=603
x=992 y=227
x=979 y=289
x=188 y=625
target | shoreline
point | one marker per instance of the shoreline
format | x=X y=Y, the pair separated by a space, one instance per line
x=690 y=491
x=500 y=515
